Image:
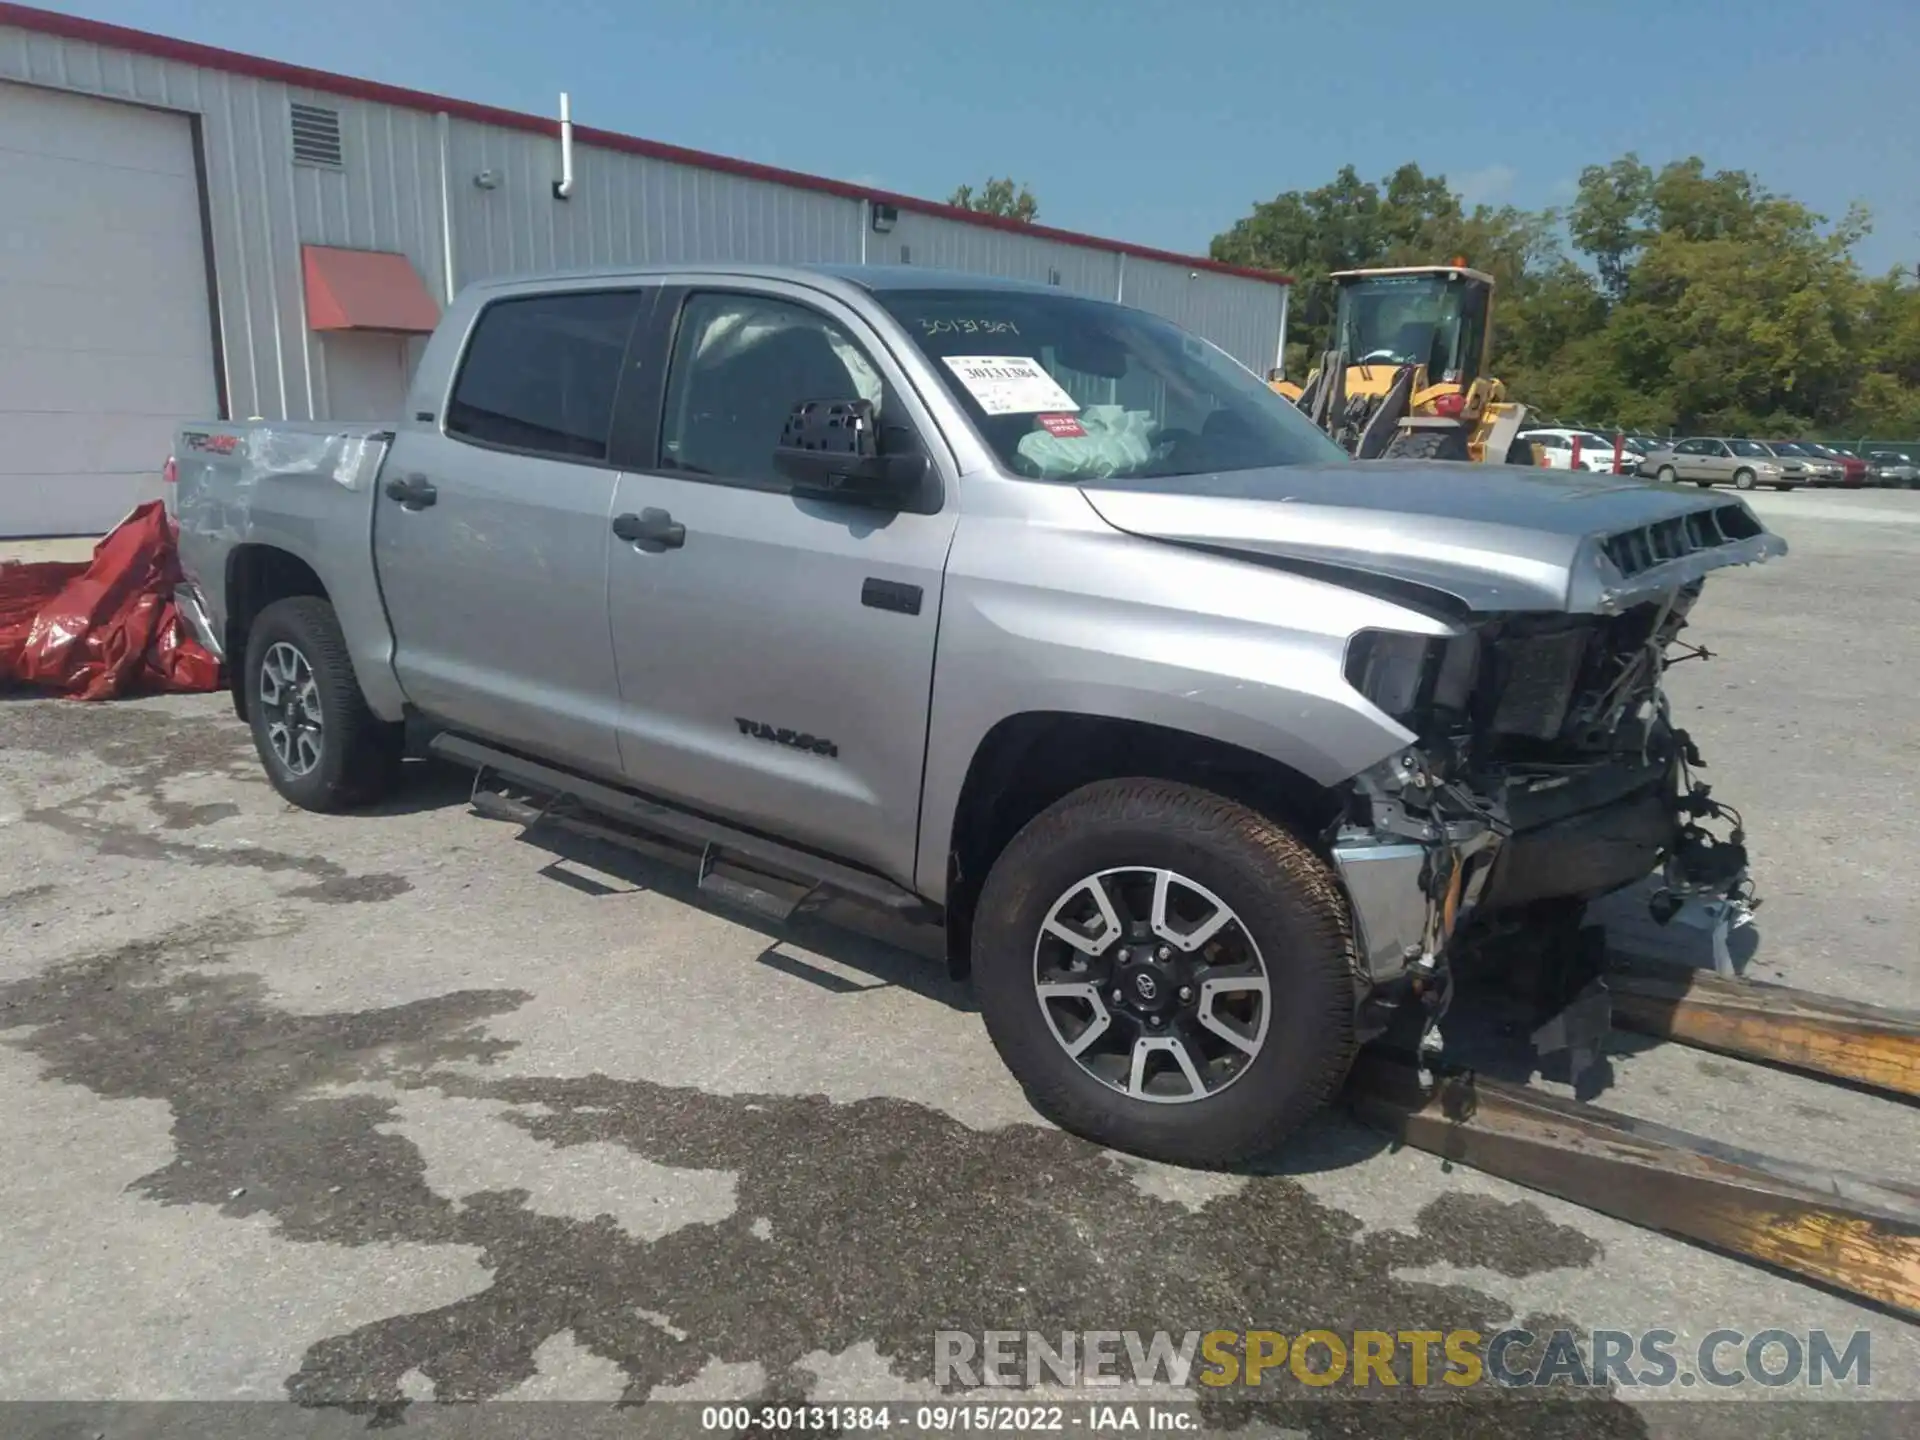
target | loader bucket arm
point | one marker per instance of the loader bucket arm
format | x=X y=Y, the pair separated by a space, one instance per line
x=1386 y=417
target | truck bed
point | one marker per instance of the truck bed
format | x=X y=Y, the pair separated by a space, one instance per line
x=284 y=488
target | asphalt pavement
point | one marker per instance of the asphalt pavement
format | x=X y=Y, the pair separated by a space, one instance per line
x=407 y=1106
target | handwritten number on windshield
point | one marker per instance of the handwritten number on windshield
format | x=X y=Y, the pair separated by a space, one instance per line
x=968 y=327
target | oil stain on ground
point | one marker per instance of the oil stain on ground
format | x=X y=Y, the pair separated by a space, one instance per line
x=146 y=749
x=874 y=1221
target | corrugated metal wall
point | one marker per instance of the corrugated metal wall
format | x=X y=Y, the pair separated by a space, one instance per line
x=626 y=209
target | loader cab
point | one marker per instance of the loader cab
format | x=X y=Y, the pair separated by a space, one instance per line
x=1434 y=316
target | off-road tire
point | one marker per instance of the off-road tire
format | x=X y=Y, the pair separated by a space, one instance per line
x=1290 y=903
x=1744 y=480
x=1521 y=452
x=1448 y=444
x=360 y=753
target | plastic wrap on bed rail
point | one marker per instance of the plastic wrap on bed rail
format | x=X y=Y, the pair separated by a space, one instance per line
x=94 y=630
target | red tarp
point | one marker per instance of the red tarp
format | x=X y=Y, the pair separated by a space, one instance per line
x=105 y=628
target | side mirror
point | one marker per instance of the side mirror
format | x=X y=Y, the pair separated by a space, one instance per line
x=830 y=450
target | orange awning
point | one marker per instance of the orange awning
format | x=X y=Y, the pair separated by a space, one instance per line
x=365 y=290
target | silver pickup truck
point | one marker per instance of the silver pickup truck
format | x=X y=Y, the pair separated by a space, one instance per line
x=1029 y=615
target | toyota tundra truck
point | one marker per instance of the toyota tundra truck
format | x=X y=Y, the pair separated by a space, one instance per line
x=1024 y=614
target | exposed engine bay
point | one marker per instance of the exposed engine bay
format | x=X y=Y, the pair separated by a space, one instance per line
x=1547 y=768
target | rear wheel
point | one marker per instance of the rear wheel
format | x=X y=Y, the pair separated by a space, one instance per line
x=1166 y=972
x=1743 y=479
x=322 y=748
x=1447 y=444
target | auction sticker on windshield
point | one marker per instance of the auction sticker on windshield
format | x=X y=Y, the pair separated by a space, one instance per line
x=1009 y=384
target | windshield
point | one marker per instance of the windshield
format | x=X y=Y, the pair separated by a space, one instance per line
x=1063 y=388
x=1844 y=450
x=1822 y=451
x=1589 y=440
x=1788 y=447
x=1750 y=447
x=1413 y=320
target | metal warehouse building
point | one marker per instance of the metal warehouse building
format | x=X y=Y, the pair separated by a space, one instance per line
x=187 y=232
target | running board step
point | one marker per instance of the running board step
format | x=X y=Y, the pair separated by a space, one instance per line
x=756 y=896
x=1865 y=1045
x=783 y=866
x=1850 y=1233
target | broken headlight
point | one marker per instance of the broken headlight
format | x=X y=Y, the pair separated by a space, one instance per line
x=1409 y=676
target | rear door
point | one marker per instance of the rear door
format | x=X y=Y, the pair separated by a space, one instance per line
x=491 y=529
x=776 y=654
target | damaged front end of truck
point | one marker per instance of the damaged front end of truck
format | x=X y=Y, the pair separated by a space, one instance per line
x=1545 y=771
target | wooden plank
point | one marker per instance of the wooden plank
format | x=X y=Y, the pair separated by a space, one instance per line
x=1818 y=1034
x=1851 y=1233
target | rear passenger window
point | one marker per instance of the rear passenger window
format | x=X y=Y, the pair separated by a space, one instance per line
x=540 y=373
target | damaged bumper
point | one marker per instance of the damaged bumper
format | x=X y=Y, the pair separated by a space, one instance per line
x=1433 y=854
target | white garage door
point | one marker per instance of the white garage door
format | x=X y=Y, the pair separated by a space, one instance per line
x=105 y=340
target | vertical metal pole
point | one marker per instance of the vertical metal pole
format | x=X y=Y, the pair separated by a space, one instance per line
x=444 y=127
x=866 y=224
x=1120 y=286
x=1280 y=346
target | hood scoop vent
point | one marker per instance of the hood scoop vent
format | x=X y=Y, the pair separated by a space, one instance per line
x=1645 y=546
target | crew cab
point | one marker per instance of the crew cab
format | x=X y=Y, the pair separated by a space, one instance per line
x=1025 y=614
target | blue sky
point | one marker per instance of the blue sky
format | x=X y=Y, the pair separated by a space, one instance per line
x=1163 y=123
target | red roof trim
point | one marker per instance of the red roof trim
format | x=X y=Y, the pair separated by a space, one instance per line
x=187 y=52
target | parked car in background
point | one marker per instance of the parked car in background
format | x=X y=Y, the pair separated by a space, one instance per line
x=1745 y=464
x=1892 y=467
x=1820 y=469
x=1854 y=467
x=1555 y=446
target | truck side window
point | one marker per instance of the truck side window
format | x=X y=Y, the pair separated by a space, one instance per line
x=540 y=373
x=740 y=364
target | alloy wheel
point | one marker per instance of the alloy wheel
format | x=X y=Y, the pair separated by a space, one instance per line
x=290 y=707
x=1152 y=984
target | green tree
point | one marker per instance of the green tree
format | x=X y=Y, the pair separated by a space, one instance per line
x=1888 y=401
x=1677 y=297
x=1611 y=217
x=998 y=197
x=1407 y=218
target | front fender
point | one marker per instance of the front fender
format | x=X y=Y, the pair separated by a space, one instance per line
x=1094 y=622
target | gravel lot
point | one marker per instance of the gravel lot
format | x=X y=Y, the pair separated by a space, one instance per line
x=403 y=1105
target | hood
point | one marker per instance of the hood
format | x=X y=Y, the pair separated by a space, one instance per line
x=1487 y=537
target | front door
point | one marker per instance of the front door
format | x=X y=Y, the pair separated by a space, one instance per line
x=491 y=530
x=775 y=653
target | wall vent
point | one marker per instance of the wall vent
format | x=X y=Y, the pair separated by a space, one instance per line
x=316 y=136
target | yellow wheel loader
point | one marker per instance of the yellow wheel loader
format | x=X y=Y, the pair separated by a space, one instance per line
x=1406 y=376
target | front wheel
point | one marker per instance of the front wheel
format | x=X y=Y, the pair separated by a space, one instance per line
x=1668 y=475
x=1743 y=479
x=322 y=748
x=1167 y=972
